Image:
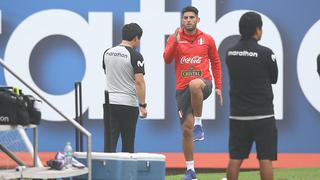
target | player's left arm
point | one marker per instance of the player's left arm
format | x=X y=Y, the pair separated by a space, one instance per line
x=215 y=67
x=138 y=67
x=272 y=67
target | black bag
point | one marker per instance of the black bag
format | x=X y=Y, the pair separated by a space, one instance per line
x=33 y=109
x=13 y=110
x=17 y=108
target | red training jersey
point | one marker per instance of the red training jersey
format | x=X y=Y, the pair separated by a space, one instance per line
x=193 y=54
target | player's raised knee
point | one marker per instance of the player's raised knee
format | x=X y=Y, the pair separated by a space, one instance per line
x=195 y=84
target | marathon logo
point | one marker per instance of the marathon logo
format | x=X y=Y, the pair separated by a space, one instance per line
x=117 y=54
x=191 y=72
x=243 y=53
x=4 y=119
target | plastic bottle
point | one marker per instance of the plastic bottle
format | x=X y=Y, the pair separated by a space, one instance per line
x=68 y=154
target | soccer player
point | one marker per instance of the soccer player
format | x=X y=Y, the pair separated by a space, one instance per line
x=252 y=69
x=194 y=53
x=124 y=69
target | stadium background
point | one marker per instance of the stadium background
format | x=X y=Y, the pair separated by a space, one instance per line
x=57 y=61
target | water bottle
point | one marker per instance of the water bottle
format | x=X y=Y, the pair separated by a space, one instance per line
x=68 y=154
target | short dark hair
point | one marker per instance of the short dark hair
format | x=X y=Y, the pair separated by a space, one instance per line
x=248 y=24
x=130 y=31
x=189 y=9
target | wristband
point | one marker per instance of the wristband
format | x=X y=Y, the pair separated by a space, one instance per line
x=144 y=105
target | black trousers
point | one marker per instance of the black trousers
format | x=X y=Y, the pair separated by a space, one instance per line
x=120 y=120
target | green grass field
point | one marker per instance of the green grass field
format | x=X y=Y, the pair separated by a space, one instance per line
x=279 y=174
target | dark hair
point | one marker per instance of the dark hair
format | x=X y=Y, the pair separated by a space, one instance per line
x=248 y=24
x=130 y=31
x=189 y=9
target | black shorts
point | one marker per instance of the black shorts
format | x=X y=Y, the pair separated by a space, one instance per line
x=183 y=98
x=244 y=132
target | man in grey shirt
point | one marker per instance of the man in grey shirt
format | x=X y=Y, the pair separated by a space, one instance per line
x=125 y=87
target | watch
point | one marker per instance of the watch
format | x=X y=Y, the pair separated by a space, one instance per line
x=144 y=105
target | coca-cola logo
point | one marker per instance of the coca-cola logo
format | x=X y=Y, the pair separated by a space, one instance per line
x=191 y=60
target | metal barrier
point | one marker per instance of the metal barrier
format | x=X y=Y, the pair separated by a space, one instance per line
x=76 y=124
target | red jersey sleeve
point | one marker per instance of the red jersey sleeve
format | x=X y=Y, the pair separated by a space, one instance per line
x=215 y=63
x=170 y=50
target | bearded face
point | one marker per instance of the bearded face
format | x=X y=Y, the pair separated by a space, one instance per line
x=190 y=21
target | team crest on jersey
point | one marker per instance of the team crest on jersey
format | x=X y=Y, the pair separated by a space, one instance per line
x=191 y=72
x=200 y=41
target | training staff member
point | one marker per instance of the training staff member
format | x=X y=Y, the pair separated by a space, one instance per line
x=252 y=69
x=125 y=85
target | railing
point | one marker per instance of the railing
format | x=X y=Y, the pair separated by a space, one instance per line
x=77 y=125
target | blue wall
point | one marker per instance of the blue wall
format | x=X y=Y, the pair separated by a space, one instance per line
x=298 y=131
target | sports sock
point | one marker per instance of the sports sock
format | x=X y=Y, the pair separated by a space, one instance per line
x=197 y=121
x=190 y=165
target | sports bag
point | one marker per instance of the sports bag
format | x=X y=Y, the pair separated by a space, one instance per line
x=17 y=108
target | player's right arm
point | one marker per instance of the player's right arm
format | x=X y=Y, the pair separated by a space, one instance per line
x=103 y=61
x=171 y=47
